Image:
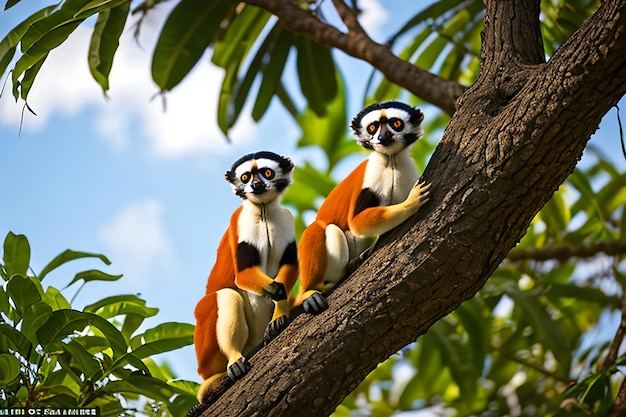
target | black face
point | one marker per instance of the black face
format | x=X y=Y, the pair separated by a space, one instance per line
x=261 y=176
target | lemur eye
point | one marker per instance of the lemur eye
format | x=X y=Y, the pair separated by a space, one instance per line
x=268 y=173
x=372 y=128
x=396 y=124
x=245 y=177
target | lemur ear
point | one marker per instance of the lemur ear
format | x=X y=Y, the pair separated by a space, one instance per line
x=230 y=176
x=417 y=116
x=286 y=164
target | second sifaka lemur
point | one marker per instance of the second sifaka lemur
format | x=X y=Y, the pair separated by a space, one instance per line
x=380 y=194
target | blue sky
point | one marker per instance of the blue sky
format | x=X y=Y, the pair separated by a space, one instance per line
x=142 y=186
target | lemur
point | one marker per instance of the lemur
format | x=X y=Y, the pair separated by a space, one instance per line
x=256 y=267
x=380 y=194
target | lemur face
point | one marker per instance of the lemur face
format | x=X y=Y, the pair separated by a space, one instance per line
x=260 y=177
x=388 y=127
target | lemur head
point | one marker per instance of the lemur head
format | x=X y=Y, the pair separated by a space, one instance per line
x=260 y=176
x=388 y=127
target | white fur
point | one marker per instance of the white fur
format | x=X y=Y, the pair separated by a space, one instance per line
x=269 y=228
x=337 y=253
x=231 y=324
x=391 y=176
x=264 y=226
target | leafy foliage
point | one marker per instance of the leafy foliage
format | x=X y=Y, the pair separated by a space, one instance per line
x=54 y=356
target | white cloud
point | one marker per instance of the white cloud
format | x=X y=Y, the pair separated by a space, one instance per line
x=373 y=16
x=137 y=240
x=64 y=85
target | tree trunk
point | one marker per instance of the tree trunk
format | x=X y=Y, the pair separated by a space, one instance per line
x=515 y=137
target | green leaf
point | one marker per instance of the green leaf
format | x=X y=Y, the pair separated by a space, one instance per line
x=235 y=91
x=63 y=323
x=188 y=31
x=124 y=307
x=24 y=292
x=612 y=195
x=34 y=317
x=549 y=332
x=163 y=338
x=436 y=11
x=98 y=6
x=82 y=359
x=9 y=370
x=67 y=256
x=55 y=299
x=588 y=197
x=242 y=33
x=317 y=75
x=313 y=185
x=94 y=275
x=14 y=340
x=272 y=72
x=29 y=78
x=556 y=214
x=42 y=36
x=131 y=324
x=126 y=303
x=16 y=255
x=141 y=385
x=478 y=327
x=105 y=41
x=9 y=43
x=10 y=3
x=328 y=132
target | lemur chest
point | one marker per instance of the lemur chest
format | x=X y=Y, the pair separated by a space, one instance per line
x=269 y=229
x=390 y=177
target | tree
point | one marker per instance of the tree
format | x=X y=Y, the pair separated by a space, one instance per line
x=514 y=137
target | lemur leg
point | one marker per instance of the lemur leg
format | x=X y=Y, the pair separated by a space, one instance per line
x=324 y=255
x=211 y=362
x=337 y=254
x=232 y=331
x=312 y=254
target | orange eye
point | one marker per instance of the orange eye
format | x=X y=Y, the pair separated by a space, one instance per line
x=396 y=124
x=245 y=177
x=372 y=128
x=268 y=173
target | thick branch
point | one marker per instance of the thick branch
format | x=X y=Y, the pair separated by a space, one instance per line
x=490 y=175
x=431 y=88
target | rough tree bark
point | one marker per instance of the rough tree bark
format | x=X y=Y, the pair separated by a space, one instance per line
x=516 y=135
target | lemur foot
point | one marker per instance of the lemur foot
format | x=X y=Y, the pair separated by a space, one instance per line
x=238 y=369
x=274 y=328
x=315 y=303
x=419 y=193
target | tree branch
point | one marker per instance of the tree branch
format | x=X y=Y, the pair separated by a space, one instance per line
x=429 y=87
x=490 y=174
x=563 y=252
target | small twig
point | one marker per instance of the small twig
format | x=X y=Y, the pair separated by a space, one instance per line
x=564 y=252
x=621 y=132
x=613 y=352
x=348 y=17
x=528 y=364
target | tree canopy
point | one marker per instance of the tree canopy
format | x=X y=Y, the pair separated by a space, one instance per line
x=505 y=276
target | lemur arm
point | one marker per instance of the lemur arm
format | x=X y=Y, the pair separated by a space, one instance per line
x=250 y=277
x=287 y=275
x=246 y=261
x=370 y=219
